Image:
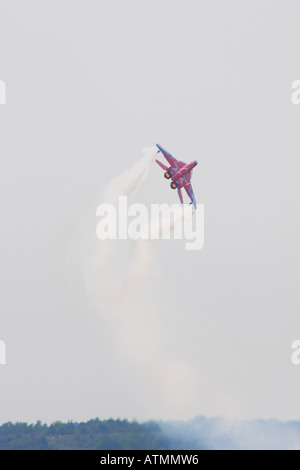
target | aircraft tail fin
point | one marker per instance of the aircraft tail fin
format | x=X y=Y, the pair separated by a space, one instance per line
x=180 y=195
x=164 y=167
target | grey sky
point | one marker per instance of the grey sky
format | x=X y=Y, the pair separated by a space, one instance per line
x=89 y=84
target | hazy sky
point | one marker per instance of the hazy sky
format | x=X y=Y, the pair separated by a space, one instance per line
x=89 y=84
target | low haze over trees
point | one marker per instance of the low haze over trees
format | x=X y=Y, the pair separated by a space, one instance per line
x=95 y=434
x=196 y=434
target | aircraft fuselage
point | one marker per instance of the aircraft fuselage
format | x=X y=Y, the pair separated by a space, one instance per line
x=185 y=169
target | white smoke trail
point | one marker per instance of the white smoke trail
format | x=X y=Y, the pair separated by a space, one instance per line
x=130 y=307
x=122 y=185
x=129 y=181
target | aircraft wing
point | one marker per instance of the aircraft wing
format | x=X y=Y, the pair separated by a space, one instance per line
x=190 y=193
x=176 y=164
x=185 y=182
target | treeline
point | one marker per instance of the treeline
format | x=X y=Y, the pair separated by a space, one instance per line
x=94 y=434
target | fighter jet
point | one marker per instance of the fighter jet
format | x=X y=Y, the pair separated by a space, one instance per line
x=179 y=173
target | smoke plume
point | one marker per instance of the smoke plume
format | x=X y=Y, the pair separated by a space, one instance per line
x=127 y=302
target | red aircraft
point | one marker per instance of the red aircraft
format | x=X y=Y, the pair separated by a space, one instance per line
x=180 y=173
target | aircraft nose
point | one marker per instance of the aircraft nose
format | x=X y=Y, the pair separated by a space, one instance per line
x=196 y=163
